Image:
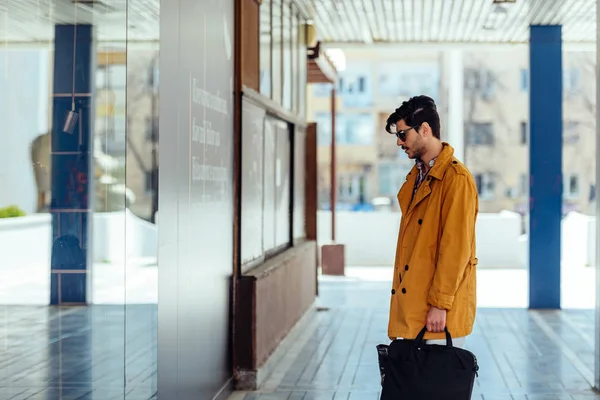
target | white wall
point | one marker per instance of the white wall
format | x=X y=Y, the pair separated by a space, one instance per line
x=370 y=238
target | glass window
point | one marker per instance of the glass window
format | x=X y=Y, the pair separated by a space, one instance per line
x=524 y=132
x=323 y=120
x=355 y=85
x=485 y=185
x=350 y=128
x=70 y=197
x=480 y=133
x=265 y=48
x=287 y=55
x=295 y=59
x=282 y=185
x=524 y=75
x=269 y=189
x=302 y=70
x=276 y=54
x=359 y=129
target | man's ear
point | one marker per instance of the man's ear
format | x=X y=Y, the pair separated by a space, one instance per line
x=426 y=129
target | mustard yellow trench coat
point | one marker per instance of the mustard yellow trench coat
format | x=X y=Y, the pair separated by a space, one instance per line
x=435 y=257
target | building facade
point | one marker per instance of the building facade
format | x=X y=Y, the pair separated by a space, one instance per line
x=496 y=131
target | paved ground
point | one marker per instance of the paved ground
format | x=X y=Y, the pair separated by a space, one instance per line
x=78 y=353
x=522 y=355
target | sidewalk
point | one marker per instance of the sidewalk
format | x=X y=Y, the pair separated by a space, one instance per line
x=522 y=355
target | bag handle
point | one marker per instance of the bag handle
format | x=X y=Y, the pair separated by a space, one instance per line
x=419 y=339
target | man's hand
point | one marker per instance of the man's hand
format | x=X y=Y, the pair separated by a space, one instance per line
x=436 y=319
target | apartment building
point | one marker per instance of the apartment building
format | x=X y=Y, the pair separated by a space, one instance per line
x=496 y=131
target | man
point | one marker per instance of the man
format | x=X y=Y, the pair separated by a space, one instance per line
x=434 y=281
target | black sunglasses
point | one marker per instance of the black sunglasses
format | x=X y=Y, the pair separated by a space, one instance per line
x=402 y=134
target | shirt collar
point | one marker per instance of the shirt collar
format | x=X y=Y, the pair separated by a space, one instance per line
x=421 y=165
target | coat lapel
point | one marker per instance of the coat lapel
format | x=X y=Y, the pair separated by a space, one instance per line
x=422 y=193
x=405 y=193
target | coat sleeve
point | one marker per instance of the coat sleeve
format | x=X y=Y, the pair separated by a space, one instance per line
x=458 y=215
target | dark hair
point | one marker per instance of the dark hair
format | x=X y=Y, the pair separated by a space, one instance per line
x=415 y=111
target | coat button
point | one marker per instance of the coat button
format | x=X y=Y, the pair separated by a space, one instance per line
x=393 y=291
x=406 y=267
x=404 y=290
x=454 y=162
x=420 y=221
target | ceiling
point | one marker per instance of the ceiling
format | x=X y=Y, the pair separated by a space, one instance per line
x=443 y=21
x=115 y=20
x=337 y=21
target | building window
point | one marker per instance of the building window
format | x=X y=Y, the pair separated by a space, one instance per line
x=277 y=51
x=361 y=84
x=480 y=81
x=350 y=129
x=397 y=80
x=355 y=86
x=265 y=48
x=571 y=80
x=524 y=132
x=524 y=79
x=321 y=89
x=287 y=55
x=524 y=185
x=480 y=133
x=570 y=132
x=572 y=186
x=391 y=176
x=485 y=185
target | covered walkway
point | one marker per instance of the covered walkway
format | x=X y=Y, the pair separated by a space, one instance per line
x=534 y=355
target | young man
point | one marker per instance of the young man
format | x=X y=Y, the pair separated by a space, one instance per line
x=434 y=281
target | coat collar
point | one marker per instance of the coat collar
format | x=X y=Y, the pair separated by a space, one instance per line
x=441 y=165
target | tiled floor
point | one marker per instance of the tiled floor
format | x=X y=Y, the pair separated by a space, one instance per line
x=89 y=353
x=78 y=353
x=522 y=355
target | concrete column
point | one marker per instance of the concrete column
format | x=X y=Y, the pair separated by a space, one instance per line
x=71 y=151
x=545 y=166
x=456 y=121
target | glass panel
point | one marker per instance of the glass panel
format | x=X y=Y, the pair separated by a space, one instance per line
x=269 y=191
x=295 y=59
x=302 y=68
x=141 y=143
x=299 y=186
x=63 y=199
x=287 y=55
x=579 y=180
x=253 y=120
x=282 y=184
x=265 y=48
x=276 y=61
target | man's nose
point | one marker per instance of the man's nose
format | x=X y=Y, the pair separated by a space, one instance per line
x=399 y=142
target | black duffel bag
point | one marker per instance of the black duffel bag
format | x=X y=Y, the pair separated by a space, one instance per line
x=413 y=370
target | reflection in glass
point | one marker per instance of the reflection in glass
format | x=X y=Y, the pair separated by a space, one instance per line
x=277 y=47
x=296 y=59
x=265 y=48
x=287 y=54
x=77 y=239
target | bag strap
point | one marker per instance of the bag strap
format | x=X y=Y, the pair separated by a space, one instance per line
x=419 y=339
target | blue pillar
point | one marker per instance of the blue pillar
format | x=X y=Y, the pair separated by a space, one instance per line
x=71 y=145
x=545 y=166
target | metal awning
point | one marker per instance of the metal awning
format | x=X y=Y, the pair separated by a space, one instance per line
x=320 y=68
x=447 y=21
